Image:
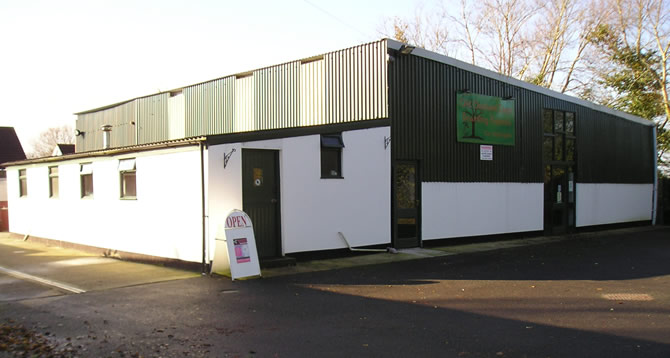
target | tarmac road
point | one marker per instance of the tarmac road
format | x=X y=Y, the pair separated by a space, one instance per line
x=601 y=296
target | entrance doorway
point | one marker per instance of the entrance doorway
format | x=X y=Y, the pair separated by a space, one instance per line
x=559 y=199
x=560 y=160
x=406 y=205
x=260 y=198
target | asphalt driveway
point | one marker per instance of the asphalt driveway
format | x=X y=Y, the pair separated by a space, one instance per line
x=33 y=270
x=605 y=295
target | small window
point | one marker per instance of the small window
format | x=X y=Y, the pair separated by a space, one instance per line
x=53 y=182
x=331 y=155
x=23 y=182
x=86 y=180
x=3 y=174
x=127 y=174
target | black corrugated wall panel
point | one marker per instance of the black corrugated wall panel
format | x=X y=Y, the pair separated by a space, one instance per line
x=422 y=109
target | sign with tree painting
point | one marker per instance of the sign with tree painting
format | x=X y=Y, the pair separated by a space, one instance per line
x=484 y=119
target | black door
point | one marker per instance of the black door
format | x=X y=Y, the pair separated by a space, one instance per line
x=559 y=199
x=406 y=205
x=260 y=198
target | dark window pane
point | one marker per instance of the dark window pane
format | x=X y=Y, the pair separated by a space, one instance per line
x=53 y=182
x=128 y=185
x=548 y=121
x=53 y=187
x=570 y=123
x=547 y=174
x=570 y=150
x=548 y=149
x=557 y=183
x=558 y=147
x=86 y=185
x=406 y=186
x=332 y=141
x=23 y=182
x=331 y=164
x=23 y=187
x=558 y=121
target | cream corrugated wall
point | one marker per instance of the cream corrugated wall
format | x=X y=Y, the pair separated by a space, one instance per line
x=338 y=87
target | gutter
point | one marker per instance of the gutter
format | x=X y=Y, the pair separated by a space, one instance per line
x=109 y=152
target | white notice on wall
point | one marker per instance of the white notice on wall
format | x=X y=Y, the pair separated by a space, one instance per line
x=485 y=152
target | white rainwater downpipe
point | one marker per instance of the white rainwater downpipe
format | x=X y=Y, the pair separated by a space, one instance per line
x=655 y=191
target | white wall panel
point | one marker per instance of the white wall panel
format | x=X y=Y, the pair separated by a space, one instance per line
x=164 y=221
x=313 y=210
x=599 y=204
x=469 y=209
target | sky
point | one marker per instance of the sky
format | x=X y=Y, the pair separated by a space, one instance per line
x=62 y=57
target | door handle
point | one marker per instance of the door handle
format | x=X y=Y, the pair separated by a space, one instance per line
x=273 y=201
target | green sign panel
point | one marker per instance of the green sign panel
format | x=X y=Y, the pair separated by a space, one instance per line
x=484 y=119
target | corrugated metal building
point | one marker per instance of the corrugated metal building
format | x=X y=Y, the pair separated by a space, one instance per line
x=305 y=148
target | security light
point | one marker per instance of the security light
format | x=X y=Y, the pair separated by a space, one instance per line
x=406 y=49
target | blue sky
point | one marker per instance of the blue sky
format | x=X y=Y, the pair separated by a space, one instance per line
x=61 y=57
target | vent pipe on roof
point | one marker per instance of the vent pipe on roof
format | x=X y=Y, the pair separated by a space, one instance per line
x=106 y=132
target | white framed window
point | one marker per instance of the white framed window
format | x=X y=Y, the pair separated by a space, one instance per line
x=128 y=181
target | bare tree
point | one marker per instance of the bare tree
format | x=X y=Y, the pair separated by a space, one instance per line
x=47 y=141
x=469 y=27
x=505 y=27
x=427 y=29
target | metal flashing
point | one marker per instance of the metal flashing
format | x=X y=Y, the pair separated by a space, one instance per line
x=296 y=132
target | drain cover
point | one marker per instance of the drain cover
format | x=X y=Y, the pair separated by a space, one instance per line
x=627 y=297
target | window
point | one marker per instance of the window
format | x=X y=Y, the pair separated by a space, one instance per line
x=559 y=144
x=23 y=182
x=127 y=174
x=331 y=155
x=53 y=182
x=86 y=180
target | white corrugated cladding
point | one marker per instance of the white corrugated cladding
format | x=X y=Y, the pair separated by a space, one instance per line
x=342 y=86
x=176 y=116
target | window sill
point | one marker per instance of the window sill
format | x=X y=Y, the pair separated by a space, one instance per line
x=131 y=198
x=332 y=177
